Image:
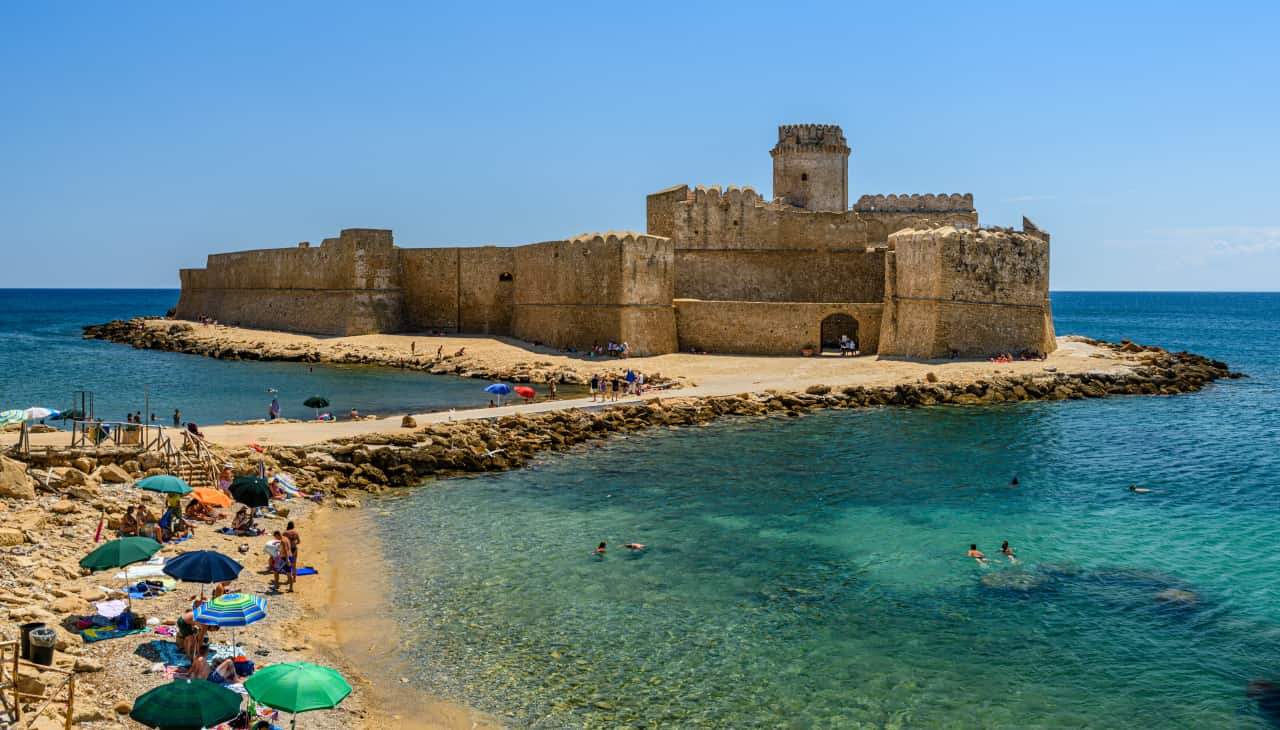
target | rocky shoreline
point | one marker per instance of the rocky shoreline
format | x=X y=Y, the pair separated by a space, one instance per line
x=183 y=337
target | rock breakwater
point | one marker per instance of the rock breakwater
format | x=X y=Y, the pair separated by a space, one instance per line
x=185 y=337
x=373 y=462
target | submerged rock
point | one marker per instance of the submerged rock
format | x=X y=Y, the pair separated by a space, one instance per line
x=1015 y=579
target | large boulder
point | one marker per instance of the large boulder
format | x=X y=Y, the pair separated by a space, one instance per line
x=112 y=474
x=14 y=482
x=10 y=537
x=70 y=476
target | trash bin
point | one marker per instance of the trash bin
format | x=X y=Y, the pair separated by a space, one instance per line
x=26 y=630
x=42 y=641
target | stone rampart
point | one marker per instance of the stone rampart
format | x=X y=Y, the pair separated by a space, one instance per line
x=349 y=285
x=814 y=275
x=768 y=328
x=595 y=288
x=970 y=293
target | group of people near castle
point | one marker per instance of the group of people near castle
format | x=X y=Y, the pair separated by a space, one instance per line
x=612 y=386
x=610 y=348
x=1006 y=357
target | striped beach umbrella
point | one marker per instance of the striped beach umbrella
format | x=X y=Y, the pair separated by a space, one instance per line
x=233 y=609
x=16 y=415
x=36 y=413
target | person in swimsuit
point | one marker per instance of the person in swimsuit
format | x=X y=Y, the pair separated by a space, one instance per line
x=1008 y=551
x=1137 y=489
x=600 y=549
x=634 y=547
x=291 y=534
x=977 y=555
x=283 y=563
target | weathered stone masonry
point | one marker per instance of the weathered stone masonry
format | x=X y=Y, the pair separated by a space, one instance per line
x=717 y=270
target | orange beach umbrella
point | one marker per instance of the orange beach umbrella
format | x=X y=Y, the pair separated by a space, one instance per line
x=211 y=497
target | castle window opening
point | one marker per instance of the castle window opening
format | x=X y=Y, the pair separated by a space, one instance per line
x=804 y=176
x=505 y=276
x=837 y=327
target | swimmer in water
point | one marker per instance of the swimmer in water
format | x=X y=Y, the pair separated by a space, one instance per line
x=634 y=547
x=600 y=549
x=1014 y=482
x=977 y=555
x=1008 y=551
x=1139 y=490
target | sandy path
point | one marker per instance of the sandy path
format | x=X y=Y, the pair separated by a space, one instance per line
x=705 y=375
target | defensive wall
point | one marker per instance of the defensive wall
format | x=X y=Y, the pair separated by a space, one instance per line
x=717 y=270
x=968 y=293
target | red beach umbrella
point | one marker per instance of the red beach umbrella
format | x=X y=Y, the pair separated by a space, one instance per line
x=525 y=392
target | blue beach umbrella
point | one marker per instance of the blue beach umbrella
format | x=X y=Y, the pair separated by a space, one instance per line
x=498 y=389
x=203 y=566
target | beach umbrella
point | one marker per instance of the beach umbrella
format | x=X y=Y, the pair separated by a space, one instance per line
x=120 y=553
x=71 y=415
x=35 y=413
x=211 y=497
x=317 y=402
x=164 y=483
x=232 y=609
x=525 y=392
x=203 y=566
x=297 y=687
x=186 y=703
x=251 y=491
x=498 y=389
x=14 y=416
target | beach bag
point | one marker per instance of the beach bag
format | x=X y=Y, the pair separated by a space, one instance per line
x=272 y=548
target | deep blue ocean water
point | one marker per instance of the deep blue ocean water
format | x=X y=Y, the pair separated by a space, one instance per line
x=43 y=360
x=811 y=573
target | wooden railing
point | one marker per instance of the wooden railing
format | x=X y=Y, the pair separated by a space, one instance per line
x=114 y=433
x=12 y=698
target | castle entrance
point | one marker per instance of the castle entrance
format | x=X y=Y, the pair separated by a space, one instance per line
x=835 y=326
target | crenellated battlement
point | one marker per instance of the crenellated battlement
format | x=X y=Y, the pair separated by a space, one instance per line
x=915 y=203
x=613 y=237
x=733 y=195
x=811 y=137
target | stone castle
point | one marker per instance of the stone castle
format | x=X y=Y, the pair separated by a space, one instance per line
x=722 y=271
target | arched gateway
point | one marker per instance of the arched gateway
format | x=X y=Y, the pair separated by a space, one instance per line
x=836 y=325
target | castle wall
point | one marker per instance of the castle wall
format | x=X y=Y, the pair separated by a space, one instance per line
x=768 y=328
x=348 y=285
x=485 y=301
x=817 y=275
x=596 y=288
x=429 y=277
x=974 y=293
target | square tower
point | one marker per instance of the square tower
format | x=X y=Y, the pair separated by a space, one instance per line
x=811 y=167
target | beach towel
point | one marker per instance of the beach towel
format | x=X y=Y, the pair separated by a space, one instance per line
x=102 y=633
x=111 y=609
x=308 y=571
x=171 y=655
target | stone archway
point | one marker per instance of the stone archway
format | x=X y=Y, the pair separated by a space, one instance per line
x=835 y=325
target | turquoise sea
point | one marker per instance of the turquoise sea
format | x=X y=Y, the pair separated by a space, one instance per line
x=811 y=572
x=43 y=360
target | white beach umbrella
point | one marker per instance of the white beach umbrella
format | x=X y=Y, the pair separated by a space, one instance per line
x=35 y=413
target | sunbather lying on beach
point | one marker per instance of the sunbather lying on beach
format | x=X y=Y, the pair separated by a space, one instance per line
x=224 y=673
x=197 y=511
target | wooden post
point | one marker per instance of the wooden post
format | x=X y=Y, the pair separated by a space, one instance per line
x=71 y=700
x=17 y=701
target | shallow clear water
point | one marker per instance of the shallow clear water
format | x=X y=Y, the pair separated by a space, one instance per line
x=43 y=360
x=811 y=572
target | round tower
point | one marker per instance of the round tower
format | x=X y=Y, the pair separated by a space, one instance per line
x=811 y=167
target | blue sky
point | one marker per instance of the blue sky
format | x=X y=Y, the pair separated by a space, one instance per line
x=137 y=137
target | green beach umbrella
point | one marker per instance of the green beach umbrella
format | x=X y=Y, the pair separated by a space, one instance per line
x=297 y=687
x=119 y=553
x=186 y=703
x=251 y=491
x=317 y=402
x=165 y=483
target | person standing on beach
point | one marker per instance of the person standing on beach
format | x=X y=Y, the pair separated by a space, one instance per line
x=283 y=562
x=595 y=383
x=552 y=385
x=177 y=418
x=273 y=411
x=291 y=534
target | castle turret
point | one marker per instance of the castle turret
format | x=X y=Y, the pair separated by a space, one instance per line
x=811 y=167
